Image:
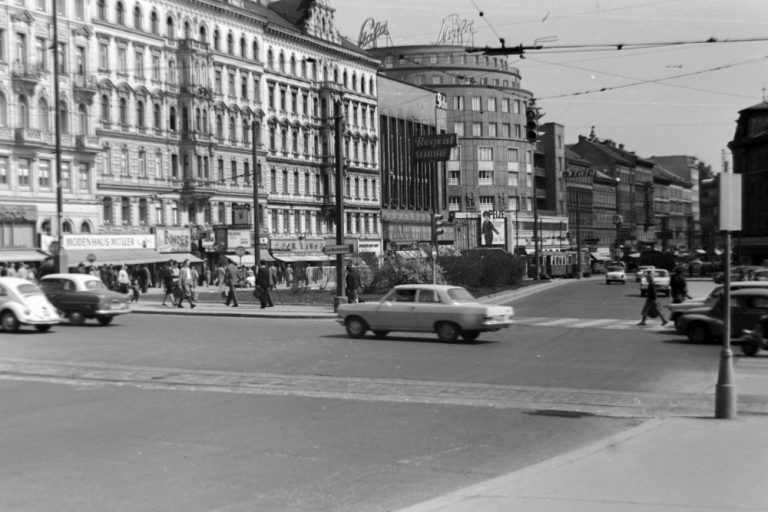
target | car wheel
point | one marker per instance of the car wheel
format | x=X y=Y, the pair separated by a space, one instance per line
x=447 y=332
x=469 y=337
x=749 y=349
x=698 y=332
x=380 y=334
x=76 y=318
x=43 y=328
x=105 y=320
x=10 y=322
x=356 y=327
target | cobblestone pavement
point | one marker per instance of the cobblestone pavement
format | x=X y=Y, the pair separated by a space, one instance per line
x=543 y=400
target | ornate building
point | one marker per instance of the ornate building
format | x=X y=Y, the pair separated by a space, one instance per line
x=170 y=110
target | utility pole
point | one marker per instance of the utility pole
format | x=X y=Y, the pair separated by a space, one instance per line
x=338 y=125
x=256 y=181
x=57 y=122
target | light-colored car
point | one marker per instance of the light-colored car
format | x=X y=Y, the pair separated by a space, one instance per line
x=640 y=270
x=747 y=307
x=615 y=275
x=22 y=302
x=449 y=311
x=83 y=296
x=704 y=304
x=660 y=278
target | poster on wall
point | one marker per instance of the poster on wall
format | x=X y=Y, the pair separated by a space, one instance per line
x=493 y=229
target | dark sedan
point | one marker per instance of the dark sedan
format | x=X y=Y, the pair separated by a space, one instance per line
x=83 y=296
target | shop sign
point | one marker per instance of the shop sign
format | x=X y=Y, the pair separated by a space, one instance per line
x=173 y=240
x=373 y=246
x=456 y=31
x=370 y=33
x=107 y=242
x=297 y=245
x=236 y=237
x=18 y=213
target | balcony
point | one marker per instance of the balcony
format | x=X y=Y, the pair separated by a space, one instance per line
x=33 y=137
x=84 y=88
x=27 y=76
x=88 y=143
x=196 y=190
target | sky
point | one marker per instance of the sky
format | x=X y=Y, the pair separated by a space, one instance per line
x=662 y=99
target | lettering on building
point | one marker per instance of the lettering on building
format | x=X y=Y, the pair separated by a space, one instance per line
x=370 y=33
x=456 y=31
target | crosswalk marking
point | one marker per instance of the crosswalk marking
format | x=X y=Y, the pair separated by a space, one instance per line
x=584 y=323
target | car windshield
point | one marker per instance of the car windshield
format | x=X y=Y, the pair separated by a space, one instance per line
x=615 y=269
x=28 y=290
x=460 y=295
x=95 y=285
x=660 y=273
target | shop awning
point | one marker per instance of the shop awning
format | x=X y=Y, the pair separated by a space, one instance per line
x=598 y=257
x=248 y=259
x=181 y=256
x=116 y=256
x=308 y=257
x=18 y=256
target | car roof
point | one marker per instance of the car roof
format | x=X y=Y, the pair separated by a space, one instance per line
x=749 y=284
x=761 y=292
x=426 y=286
x=72 y=276
x=14 y=281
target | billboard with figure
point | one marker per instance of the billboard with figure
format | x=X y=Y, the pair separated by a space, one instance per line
x=493 y=229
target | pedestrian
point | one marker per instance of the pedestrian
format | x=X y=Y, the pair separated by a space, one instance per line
x=274 y=276
x=167 y=274
x=353 y=284
x=207 y=275
x=135 y=289
x=123 y=279
x=678 y=287
x=651 y=307
x=231 y=275
x=186 y=282
x=289 y=276
x=221 y=276
x=264 y=284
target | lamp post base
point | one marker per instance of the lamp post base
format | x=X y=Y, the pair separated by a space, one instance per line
x=725 y=391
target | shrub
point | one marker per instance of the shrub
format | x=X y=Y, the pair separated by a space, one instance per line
x=395 y=270
x=483 y=268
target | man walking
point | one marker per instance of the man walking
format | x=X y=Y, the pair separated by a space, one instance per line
x=352 y=283
x=651 y=307
x=678 y=287
x=186 y=281
x=230 y=281
x=264 y=284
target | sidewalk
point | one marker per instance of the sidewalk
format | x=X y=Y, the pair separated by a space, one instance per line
x=671 y=464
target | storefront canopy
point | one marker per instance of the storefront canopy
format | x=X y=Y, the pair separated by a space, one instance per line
x=18 y=256
x=308 y=257
x=599 y=257
x=179 y=257
x=115 y=256
x=248 y=259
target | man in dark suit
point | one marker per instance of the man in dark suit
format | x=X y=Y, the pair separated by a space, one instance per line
x=230 y=281
x=264 y=284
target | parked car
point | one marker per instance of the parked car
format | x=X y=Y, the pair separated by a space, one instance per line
x=22 y=302
x=83 y=296
x=747 y=307
x=448 y=311
x=660 y=278
x=703 y=304
x=640 y=270
x=738 y=273
x=615 y=274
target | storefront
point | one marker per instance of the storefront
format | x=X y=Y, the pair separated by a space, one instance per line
x=111 y=249
x=18 y=243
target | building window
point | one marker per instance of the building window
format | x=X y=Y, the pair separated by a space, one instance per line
x=143 y=216
x=175 y=213
x=44 y=173
x=23 y=172
x=486 y=203
x=159 y=217
x=142 y=163
x=485 y=153
x=492 y=130
x=107 y=210
x=103 y=56
x=505 y=131
x=485 y=178
x=477 y=129
x=476 y=107
x=491 y=104
x=505 y=104
x=454 y=177
x=4 y=171
x=512 y=180
x=458 y=129
x=66 y=177
x=124 y=161
x=458 y=103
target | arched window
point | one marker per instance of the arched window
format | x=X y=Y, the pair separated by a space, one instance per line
x=102 y=10
x=3 y=110
x=232 y=133
x=66 y=227
x=137 y=18
x=344 y=79
x=156 y=119
x=203 y=35
x=172 y=119
x=370 y=87
x=85 y=227
x=255 y=50
x=205 y=127
x=125 y=210
x=42 y=115
x=293 y=65
x=216 y=38
x=270 y=59
x=243 y=47
x=219 y=127
x=123 y=112
x=230 y=44
x=184 y=119
x=153 y=23
x=120 y=13
x=82 y=119
x=362 y=84
x=170 y=29
x=104 y=108
x=354 y=81
x=172 y=71
x=187 y=30
x=281 y=62
x=140 y=114
x=198 y=120
x=64 y=117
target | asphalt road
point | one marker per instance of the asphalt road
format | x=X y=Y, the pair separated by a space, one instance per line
x=169 y=413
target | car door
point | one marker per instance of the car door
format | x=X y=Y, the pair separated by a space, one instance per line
x=396 y=314
x=428 y=310
x=52 y=290
x=747 y=312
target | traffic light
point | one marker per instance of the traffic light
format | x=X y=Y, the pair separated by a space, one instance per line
x=437 y=227
x=532 y=123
